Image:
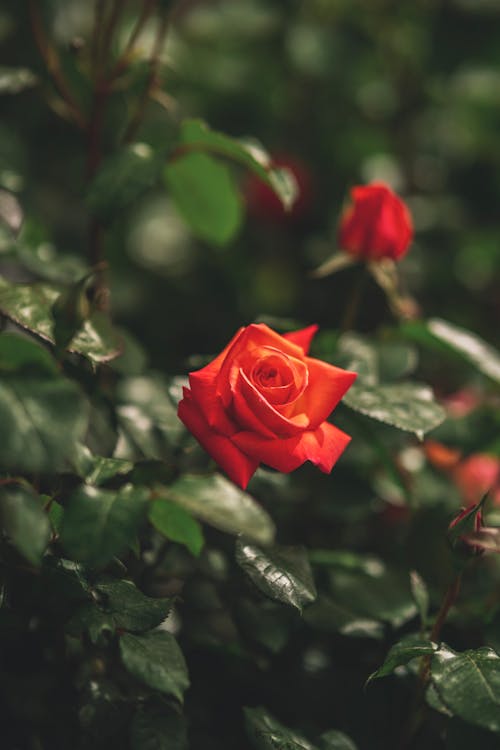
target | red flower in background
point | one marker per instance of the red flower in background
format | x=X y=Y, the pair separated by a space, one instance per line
x=263 y=400
x=377 y=224
x=264 y=204
x=476 y=475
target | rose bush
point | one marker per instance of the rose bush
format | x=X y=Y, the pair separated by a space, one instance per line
x=263 y=400
x=377 y=224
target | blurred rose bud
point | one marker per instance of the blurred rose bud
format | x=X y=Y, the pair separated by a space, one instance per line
x=476 y=475
x=468 y=521
x=263 y=203
x=376 y=224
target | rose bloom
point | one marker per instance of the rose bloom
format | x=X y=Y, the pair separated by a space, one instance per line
x=263 y=400
x=377 y=224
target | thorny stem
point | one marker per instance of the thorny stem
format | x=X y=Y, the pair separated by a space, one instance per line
x=51 y=59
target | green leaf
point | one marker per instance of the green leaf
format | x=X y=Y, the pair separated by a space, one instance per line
x=411 y=647
x=99 y=524
x=420 y=595
x=176 y=524
x=122 y=178
x=250 y=154
x=281 y=573
x=361 y=601
x=468 y=684
x=156 y=660
x=266 y=733
x=469 y=346
x=408 y=406
x=97 y=470
x=158 y=728
x=24 y=521
x=357 y=354
x=30 y=306
x=118 y=604
x=206 y=196
x=42 y=413
x=335 y=740
x=19 y=353
x=218 y=502
x=14 y=80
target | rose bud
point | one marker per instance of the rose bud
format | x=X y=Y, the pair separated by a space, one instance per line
x=468 y=522
x=377 y=224
x=263 y=400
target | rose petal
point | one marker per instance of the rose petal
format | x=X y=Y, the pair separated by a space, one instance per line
x=238 y=466
x=242 y=351
x=203 y=386
x=303 y=337
x=246 y=396
x=322 y=447
x=327 y=385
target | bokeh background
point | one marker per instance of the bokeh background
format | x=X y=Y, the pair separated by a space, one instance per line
x=343 y=92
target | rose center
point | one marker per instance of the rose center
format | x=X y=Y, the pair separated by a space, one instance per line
x=271 y=372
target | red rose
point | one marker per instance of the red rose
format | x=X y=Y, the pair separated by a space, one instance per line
x=377 y=224
x=262 y=400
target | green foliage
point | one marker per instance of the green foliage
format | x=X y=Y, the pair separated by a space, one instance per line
x=156 y=660
x=401 y=653
x=99 y=524
x=176 y=524
x=468 y=684
x=31 y=306
x=206 y=195
x=216 y=500
x=24 y=522
x=43 y=413
x=282 y=573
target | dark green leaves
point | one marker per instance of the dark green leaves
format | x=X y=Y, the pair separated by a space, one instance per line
x=42 y=414
x=206 y=195
x=30 y=305
x=156 y=660
x=468 y=684
x=217 y=501
x=265 y=733
x=24 y=521
x=204 y=189
x=99 y=524
x=282 y=573
x=406 y=405
x=118 y=604
x=158 y=728
x=176 y=524
x=411 y=647
x=197 y=135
